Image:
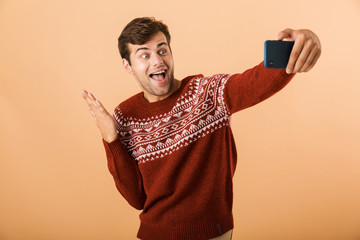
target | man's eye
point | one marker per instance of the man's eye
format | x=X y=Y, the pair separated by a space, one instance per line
x=145 y=56
x=162 y=52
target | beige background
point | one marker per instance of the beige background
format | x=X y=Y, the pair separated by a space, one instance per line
x=298 y=173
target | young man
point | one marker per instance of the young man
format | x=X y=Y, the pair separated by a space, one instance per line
x=170 y=148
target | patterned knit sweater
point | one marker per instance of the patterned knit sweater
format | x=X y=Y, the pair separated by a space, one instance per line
x=175 y=158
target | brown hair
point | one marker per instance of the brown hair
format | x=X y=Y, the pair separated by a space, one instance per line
x=138 y=32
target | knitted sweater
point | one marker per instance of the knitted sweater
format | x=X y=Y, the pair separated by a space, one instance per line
x=175 y=158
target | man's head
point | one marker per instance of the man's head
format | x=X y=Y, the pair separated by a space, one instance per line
x=138 y=32
x=144 y=46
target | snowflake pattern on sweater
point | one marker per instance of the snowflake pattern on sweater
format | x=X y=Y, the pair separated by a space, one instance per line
x=197 y=112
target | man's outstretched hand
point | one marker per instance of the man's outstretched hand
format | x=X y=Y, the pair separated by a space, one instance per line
x=306 y=50
x=104 y=120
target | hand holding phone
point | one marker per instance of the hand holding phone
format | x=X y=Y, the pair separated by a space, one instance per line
x=305 y=52
x=277 y=53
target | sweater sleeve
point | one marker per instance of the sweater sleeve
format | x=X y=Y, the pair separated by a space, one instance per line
x=253 y=86
x=126 y=174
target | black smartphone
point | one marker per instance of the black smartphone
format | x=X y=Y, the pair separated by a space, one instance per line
x=277 y=53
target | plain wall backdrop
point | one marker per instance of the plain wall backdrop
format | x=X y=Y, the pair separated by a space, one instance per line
x=298 y=172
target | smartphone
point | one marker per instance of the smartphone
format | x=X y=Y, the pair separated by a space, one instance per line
x=277 y=53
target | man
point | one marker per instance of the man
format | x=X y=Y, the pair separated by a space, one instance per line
x=170 y=148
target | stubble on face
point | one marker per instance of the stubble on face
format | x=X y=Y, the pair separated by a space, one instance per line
x=150 y=59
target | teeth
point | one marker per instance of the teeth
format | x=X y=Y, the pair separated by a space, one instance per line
x=160 y=72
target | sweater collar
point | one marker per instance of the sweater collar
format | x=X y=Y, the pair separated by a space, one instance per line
x=165 y=103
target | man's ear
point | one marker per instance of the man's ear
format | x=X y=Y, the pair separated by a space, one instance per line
x=127 y=66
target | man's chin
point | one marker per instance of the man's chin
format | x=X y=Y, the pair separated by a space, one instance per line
x=161 y=92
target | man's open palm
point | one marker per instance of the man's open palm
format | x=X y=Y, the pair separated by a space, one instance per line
x=103 y=118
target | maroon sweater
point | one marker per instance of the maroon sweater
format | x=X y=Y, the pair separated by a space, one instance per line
x=175 y=158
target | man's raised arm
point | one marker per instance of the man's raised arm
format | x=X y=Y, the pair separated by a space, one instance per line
x=122 y=166
x=259 y=83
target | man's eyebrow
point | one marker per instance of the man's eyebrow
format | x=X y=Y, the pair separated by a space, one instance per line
x=142 y=48
x=162 y=43
x=146 y=48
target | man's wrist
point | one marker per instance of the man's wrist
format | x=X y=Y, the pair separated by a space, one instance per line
x=110 y=138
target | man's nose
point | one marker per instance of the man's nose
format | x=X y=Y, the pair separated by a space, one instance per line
x=157 y=60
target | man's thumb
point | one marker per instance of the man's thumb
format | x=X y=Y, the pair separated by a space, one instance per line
x=284 y=34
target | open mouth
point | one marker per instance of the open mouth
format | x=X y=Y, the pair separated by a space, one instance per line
x=158 y=76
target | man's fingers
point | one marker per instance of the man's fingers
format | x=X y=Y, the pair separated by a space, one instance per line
x=309 y=61
x=99 y=106
x=86 y=96
x=90 y=99
x=318 y=53
x=94 y=104
x=317 y=50
x=303 y=58
x=286 y=33
x=294 y=55
x=305 y=52
x=92 y=113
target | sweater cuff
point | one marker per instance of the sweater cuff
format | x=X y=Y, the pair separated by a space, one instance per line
x=115 y=147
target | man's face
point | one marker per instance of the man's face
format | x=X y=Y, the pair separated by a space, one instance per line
x=153 y=67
